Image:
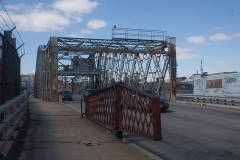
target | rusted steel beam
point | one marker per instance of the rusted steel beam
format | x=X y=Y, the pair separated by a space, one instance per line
x=46 y=80
x=157 y=130
x=53 y=79
x=118 y=107
x=173 y=71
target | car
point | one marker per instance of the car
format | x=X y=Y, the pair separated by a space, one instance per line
x=163 y=102
x=66 y=95
x=88 y=93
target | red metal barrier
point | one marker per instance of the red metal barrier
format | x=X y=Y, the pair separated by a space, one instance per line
x=127 y=109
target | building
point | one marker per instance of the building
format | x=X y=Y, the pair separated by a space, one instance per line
x=217 y=84
x=27 y=82
x=82 y=64
x=184 y=85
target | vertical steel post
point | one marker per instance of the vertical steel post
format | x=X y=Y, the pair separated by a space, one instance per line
x=118 y=111
x=156 y=111
x=81 y=109
x=99 y=67
x=53 y=69
x=173 y=70
x=43 y=76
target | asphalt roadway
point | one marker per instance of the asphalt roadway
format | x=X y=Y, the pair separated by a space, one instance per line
x=193 y=131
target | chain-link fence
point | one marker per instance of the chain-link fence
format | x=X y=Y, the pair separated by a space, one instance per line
x=9 y=68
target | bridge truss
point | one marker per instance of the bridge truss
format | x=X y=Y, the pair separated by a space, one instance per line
x=139 y=58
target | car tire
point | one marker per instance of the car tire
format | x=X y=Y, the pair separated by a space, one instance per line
x=164 y=110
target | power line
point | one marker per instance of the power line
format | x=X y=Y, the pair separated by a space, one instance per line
x=11 y=20
x=1 y=28
x=12 y=24
x=5 y=22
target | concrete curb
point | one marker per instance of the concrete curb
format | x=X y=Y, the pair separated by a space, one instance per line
x=144 y=151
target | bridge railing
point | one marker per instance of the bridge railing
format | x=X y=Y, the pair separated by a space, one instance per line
x=126 y=109
x=210 y=99
x=11 y=113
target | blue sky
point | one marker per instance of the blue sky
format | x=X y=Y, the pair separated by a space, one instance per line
x=207 y=29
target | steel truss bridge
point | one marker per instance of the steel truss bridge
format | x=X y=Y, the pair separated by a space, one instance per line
x=139 y=58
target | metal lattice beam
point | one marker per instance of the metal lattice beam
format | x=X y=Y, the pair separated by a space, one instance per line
x=141 y=63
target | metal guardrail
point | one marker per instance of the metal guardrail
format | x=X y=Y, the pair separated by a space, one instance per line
x=11 y=113
x=210 y=99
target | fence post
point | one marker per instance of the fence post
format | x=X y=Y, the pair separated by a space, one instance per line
x=118 y=112
x=81 y=109
x=156 y=112
x=86 y=108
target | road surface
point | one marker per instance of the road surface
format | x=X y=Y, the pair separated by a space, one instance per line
x=193 y=132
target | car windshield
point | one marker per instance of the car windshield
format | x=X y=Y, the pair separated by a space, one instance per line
x=92 y=91
x=151 y=92
x=162 y=99
x=64 y=92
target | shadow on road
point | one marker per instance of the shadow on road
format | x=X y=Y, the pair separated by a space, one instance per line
x=168 y=111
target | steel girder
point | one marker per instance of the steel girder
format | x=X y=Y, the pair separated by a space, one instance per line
x=138 y=63
x=87 y=46
x=46 y=74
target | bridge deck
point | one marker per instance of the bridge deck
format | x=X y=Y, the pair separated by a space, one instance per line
x=56 y=131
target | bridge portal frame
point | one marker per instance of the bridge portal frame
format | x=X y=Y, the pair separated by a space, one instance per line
x=118 y=54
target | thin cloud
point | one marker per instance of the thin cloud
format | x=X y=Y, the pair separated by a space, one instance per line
x=236 y=35
x=43 y=18
x=183 y=54
x=38 y=21
x=223 y=37
x=220 y=37
x=73 y=6
x=182 y=50
x=96 y=24
x=196 y=39
x=222 y=64
x=19 y=7
x=75 y=9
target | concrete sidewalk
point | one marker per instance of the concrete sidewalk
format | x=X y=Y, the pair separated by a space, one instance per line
x=57 y=132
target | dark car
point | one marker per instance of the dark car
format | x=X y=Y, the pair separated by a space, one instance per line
x=163 y=102
x=66 y=95
x=88 y=93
